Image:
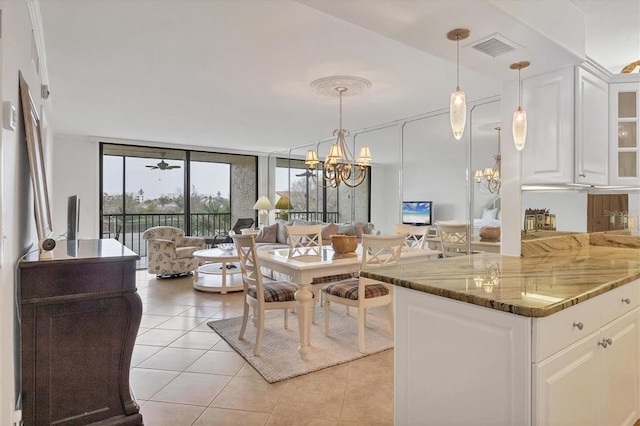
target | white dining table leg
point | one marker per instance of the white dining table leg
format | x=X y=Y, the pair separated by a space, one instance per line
x=305 y=302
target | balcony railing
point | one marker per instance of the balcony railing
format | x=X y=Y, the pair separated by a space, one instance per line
x=128 y=228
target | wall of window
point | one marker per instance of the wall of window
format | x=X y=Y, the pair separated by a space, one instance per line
x=143 y=187
x=313 y=200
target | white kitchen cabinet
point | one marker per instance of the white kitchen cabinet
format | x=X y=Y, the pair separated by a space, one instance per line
x=591 y=129
x=548 y=154
x=594 y=380
x=624 y=136
x=458 y=363
x=568 y=386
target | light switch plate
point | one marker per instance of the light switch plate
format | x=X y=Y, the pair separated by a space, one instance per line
x=9 y=117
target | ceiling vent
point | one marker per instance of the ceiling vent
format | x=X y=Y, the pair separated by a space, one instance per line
x=494 y=45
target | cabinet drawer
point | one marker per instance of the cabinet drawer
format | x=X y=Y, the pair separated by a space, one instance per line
x=555 y=332
x=618 y=302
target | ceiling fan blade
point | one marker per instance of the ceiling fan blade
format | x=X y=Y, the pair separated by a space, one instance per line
x=152 y=167
x=172 y=167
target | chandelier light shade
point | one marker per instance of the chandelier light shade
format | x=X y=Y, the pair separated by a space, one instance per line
x=340 y=167
x=489 y=178
x=519 y=125
x=458 y=104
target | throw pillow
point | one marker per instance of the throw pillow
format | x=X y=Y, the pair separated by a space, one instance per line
x=489 y=213
x=268 y=234
x=328 y=230
x=282 y=237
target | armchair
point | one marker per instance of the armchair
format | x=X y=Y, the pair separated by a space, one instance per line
x=170 y=252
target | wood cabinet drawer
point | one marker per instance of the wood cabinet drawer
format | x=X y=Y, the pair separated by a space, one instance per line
x=560 y=330
x=619 y=301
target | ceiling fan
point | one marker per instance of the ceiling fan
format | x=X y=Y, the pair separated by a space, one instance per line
x=306 y=173
x=163 y=165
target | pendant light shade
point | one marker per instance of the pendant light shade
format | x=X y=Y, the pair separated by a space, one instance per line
x=519 y=125
x=458 y=113
x=519 y=128
x=458 y=105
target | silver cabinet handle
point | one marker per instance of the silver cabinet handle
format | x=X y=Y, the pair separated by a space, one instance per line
x=626 y=300
x=605 y=343
x=579 y=325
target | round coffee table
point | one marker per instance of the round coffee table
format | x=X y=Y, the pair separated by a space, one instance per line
x=221 y=264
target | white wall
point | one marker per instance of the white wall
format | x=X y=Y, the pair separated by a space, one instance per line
x=76 y=172
x=16 y=208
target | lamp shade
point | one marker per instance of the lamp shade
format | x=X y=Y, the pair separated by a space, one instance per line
x=263 y=203
x=284 y=204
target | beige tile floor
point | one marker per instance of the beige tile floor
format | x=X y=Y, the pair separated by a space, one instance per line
x=183 y=373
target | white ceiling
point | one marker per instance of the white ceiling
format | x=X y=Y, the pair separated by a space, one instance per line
x=235 y=74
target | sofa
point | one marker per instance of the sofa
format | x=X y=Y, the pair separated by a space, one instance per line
x=275 y=236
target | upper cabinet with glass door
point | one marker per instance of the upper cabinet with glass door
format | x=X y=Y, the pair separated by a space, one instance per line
x=624 y=134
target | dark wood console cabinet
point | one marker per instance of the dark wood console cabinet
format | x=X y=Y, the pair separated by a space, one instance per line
x=80 y=314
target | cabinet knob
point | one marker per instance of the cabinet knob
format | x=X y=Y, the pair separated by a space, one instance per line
x=609 y=341
x=604 y=343
x=626 y=300
x=579 y=325
x=582 y=175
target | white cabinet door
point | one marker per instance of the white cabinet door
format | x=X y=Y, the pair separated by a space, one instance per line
x=548 y=154
x=567 y=386
x=591 y=129
x=620 y=370
x=624 y=133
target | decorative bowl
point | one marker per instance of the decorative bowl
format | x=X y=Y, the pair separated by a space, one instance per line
x=344 y=243
x=226 y=247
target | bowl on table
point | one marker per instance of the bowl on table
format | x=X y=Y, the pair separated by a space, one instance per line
x=344 y=244
x=226 y=247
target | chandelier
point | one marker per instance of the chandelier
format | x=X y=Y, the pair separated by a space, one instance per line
x=339 y=166
x=489 y=178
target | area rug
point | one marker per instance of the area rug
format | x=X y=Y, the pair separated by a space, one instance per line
x=279 y=358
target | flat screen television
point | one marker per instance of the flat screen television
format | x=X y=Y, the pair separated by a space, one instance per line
x=417 y=212
x=73 y=217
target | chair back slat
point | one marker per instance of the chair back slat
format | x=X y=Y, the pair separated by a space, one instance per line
x=305 y=241
x=454 y=239
x=416 y=235
x=382 y=249
x=249 y=265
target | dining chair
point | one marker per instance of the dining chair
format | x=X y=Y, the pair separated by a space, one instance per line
x=454 y=239
x=260 y=295
x=304 y=241
x=364 y=293
x=416 y=235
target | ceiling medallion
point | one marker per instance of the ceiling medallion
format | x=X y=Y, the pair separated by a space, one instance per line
x=327 y=85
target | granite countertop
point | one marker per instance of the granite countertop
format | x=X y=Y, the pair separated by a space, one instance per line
x=534 y=286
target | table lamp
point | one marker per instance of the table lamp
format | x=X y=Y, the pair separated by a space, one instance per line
x=284 y=205
x=263 y=205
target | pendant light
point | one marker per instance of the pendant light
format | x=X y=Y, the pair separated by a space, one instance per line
x=520 y=116
x=458 y=105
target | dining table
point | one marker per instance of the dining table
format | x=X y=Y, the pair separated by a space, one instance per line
x=303 y=270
